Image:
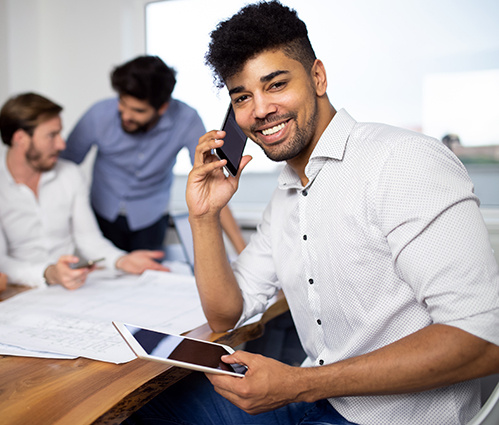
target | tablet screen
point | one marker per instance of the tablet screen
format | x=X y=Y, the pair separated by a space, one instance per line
x=182 y=349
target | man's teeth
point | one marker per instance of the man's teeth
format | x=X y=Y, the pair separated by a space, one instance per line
x=270 y=131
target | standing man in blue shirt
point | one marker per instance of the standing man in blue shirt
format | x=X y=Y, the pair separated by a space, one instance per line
x=138 y=136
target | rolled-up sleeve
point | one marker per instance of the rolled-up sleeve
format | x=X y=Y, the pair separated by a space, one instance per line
x=439 y=240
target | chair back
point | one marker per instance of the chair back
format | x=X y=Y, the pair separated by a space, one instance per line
x=489 y=413
x=184 y=233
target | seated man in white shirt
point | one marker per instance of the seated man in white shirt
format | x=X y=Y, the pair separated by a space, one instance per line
x=373 y=234
x=45 y=214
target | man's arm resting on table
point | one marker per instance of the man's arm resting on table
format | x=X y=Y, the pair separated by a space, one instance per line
x=436 y=356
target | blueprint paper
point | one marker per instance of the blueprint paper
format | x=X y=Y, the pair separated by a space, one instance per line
x=79 y=323
x=12 y=350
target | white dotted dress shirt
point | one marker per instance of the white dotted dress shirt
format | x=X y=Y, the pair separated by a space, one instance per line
x=385 y=239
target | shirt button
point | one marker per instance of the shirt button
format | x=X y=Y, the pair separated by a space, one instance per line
x=319 y=321
x=311 y=281
x=304 y=193
x=304 y=237
x=321 y=362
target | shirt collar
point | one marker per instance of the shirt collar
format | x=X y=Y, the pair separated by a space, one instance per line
x=167 y=120
x=331 y=145
x=3 y=165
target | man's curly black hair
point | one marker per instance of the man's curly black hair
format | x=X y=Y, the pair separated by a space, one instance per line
x=254 y=29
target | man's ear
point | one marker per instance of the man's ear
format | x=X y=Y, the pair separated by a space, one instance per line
x=162 y=109
x=20 y=137
x=318 y=73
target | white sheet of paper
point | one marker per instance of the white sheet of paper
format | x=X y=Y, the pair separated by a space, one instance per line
x=78 y=323
x=11 y=350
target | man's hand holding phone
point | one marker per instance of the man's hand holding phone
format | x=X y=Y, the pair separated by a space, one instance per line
x=85 y=263
x=209 y=189
x=64 y=273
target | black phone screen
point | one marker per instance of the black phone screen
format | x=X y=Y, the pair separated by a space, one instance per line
x=234 y=142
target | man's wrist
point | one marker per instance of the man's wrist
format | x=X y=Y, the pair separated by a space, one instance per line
x=48 y=275
x=119 y=262
x=205 y=220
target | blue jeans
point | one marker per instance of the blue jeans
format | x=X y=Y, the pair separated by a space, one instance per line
x=193 y=401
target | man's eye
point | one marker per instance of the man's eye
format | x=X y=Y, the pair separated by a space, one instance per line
x=278 y=85
x=240 y=99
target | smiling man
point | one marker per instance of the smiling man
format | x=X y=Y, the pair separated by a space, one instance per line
x=373 y=234
x=138 y=136
x=45 y=217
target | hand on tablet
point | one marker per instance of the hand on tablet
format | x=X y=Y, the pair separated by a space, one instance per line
x=267 y=385
x=178 y=350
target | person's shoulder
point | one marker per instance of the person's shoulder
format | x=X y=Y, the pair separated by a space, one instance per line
x=390 y=137
x=104 y=106
x=68 y=169
x=178 y=107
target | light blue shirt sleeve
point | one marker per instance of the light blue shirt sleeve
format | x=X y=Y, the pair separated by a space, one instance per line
x=81 y=138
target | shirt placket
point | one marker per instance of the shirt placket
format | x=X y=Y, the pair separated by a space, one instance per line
x=137 y=166
x=308 y=244
x=41 y=219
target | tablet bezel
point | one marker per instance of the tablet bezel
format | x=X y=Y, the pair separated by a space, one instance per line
x=142 y=354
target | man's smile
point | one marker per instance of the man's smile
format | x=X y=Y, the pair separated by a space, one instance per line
x=272 y=133
x=272 y=130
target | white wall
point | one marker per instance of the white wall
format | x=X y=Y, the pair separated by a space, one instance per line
x=65 y=49
x=3 y=49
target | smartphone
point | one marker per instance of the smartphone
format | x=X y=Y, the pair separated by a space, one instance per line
x=176 y=350
x=85 y=263
x=234 y=142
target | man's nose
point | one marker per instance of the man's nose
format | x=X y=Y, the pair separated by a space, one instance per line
x=125 y=115
x=60 y=143
x=263 y=107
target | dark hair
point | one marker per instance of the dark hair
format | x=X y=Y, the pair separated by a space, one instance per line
x=256 y=28
x=145 y=78
x=25 y=112
x=451 y=139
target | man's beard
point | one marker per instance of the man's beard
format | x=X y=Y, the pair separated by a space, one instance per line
x=300 y=140
x=141 y=128
x=34 y=157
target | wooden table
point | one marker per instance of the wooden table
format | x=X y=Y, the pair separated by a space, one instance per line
x=83 y=391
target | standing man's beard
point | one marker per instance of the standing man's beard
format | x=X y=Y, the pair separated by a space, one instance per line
x=141 y=128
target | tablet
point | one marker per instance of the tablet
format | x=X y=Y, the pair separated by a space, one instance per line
x=180 y=351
